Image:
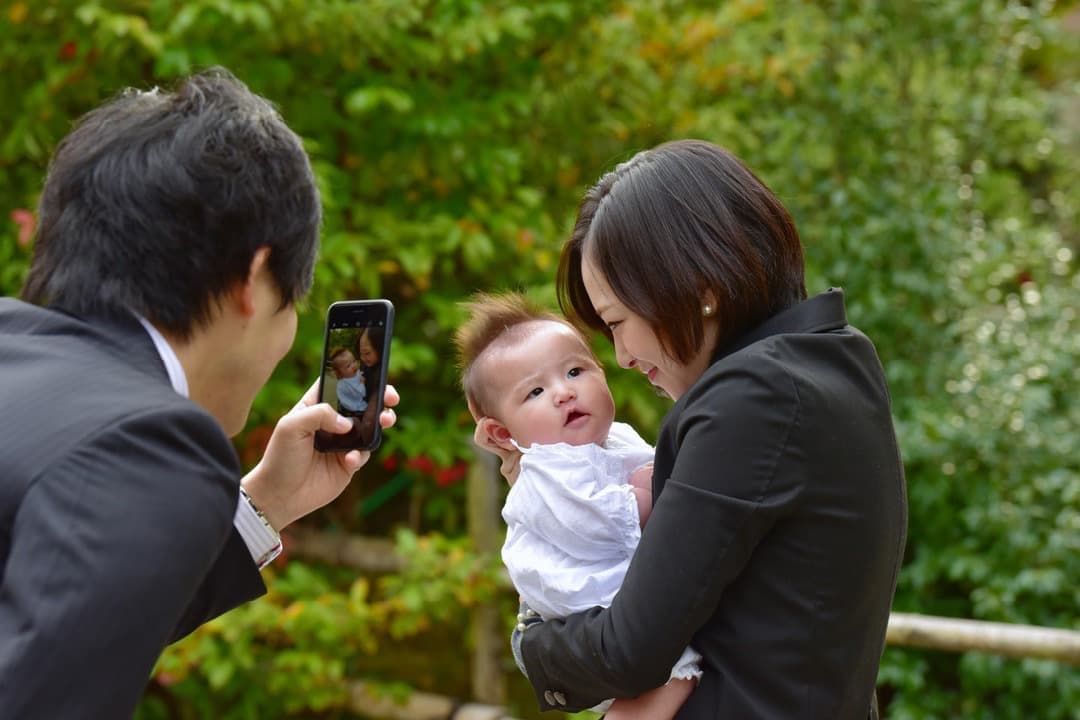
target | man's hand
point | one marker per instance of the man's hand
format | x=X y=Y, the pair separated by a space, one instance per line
x=293 y=478
x=510 y=459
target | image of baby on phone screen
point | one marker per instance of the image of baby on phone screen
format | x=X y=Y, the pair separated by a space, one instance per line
x=584 y=489
x=351 y=389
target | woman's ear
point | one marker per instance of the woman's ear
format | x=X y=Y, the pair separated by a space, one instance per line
x=494 y=433
x=709 y=305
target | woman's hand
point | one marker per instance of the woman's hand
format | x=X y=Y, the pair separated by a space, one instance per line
x=510 y=459
x=293 y=478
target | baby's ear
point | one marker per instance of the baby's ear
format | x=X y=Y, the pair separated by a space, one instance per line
x=490 y=432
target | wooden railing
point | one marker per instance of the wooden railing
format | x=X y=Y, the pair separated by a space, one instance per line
x=377 y=556
x=958 y=635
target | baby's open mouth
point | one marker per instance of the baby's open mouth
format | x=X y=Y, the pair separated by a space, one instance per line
x=574 y=415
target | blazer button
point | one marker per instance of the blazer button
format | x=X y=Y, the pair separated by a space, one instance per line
x=559 y=698
x=549 y=698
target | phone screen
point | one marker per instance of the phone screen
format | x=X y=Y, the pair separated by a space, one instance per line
x=356 y=355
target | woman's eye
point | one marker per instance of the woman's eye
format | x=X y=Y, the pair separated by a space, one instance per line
x=535 y=392
x=574 y=372
x=612 y=325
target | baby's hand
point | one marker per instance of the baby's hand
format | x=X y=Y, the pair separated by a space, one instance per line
x=642 y=477
x=641 y=482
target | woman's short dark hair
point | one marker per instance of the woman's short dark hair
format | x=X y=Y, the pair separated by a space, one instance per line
x=375 y=335
x=673 y=223
x=157 y=202
x=372 y=373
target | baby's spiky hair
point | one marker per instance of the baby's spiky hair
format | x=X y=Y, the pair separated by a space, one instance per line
x=494 y=318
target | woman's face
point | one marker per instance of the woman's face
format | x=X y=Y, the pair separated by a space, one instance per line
x=368 y=354
x=637 y=346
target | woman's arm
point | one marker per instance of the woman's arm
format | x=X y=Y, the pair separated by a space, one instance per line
x=719 y=500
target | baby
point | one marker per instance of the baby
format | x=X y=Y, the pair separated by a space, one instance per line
x=351 y=390
x=575 y=511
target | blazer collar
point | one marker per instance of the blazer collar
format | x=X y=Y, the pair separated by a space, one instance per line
x=125 y=337
x=821 y=313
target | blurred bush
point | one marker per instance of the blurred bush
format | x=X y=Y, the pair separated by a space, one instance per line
x=924 y=148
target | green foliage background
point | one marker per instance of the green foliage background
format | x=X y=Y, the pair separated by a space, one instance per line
x=926 y=149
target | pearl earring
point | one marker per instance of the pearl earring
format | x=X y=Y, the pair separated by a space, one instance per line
x=707 y=310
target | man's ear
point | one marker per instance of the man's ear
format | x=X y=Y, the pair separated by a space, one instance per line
x=245 y=292
x=494 y=433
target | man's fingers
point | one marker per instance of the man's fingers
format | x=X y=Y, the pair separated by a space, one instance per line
x=307 y=416
x=390 y=398
x=353 y=460
x=316 y=417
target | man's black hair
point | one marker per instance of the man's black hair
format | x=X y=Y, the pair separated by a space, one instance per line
x=157 y=202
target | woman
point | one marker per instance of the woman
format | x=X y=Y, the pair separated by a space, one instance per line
x=779 y=514
x=368 y=346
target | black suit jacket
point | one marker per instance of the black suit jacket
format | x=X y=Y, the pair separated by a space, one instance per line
x=774 y=543
x=117 y=499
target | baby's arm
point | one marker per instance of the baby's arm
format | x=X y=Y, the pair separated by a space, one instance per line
x=641 y=482
x=659 y=703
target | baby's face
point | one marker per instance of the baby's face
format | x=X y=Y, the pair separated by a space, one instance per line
x=345 y=365
x=549 y=389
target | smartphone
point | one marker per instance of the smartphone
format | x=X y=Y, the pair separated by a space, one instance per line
x=355 y=358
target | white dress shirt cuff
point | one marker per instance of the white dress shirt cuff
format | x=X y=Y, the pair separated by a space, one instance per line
x=262 y=541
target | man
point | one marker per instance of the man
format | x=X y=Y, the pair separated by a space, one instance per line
x=177 y=230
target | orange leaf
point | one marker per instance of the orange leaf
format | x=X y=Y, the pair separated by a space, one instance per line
x=17 y=13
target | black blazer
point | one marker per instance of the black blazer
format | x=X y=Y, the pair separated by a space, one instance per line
x=774 y=543
x=117 y=499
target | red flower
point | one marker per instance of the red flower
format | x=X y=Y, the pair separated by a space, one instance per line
x=165 y=679
x=68 y=50
x=27 y=223
x=450 y=475
x=422 y=463
x=390 y=462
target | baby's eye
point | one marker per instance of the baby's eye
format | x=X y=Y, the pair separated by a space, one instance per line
x=535 y=392
x=574 y=372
